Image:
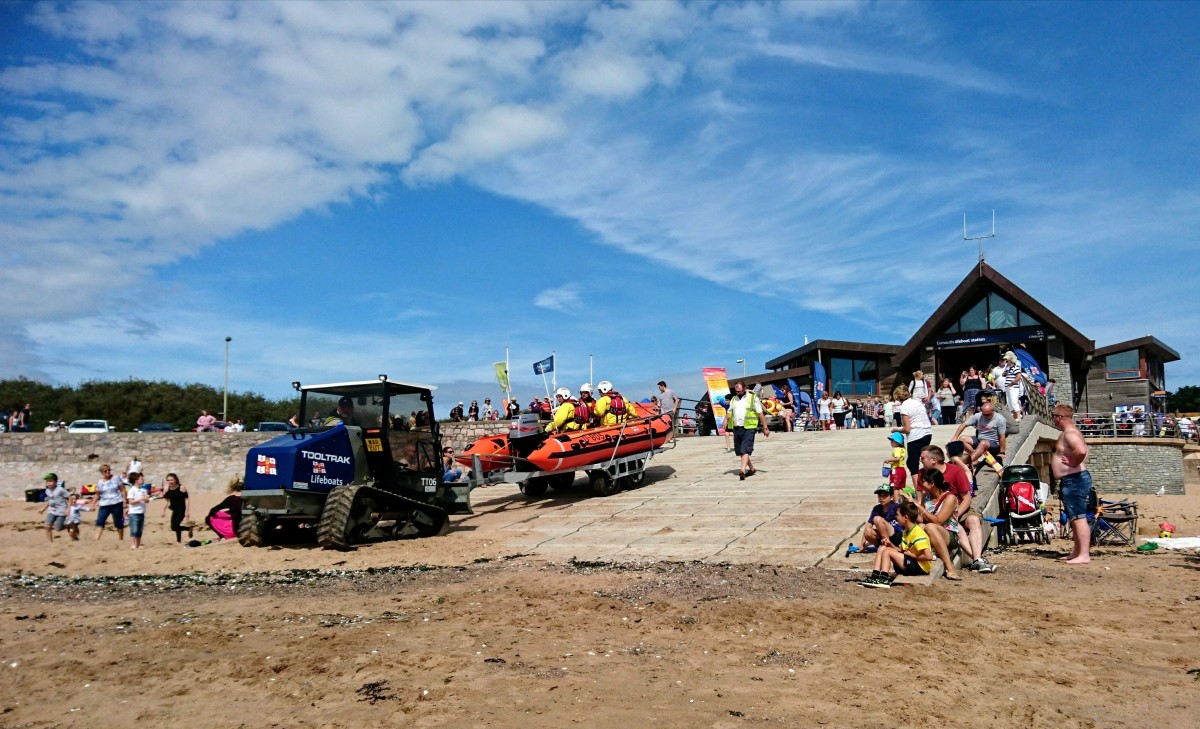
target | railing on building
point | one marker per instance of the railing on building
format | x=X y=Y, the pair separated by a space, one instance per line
x=1134 y=425
x=1036 y=404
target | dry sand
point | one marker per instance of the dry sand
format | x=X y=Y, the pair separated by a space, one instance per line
x=453 y=631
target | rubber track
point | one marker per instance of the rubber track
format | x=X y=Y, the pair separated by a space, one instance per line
x=339 y=508
x=249 y=534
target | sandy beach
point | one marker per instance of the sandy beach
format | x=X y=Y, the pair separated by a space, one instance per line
x=452 y=631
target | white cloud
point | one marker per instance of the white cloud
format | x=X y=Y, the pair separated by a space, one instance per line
x=486 y=137
x=561 y=298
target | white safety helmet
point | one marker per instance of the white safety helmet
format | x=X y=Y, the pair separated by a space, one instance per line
x=604 y=387
x=585 y=387
x=563 y=392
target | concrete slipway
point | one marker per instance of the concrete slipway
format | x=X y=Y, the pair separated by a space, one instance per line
x=811 y=495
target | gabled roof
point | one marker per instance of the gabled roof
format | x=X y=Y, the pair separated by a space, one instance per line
x=982 y=279
x=1149 y=343
x=833 y=344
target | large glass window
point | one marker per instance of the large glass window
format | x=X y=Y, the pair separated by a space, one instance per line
x=853 y=377
x=1002 y=314
x=1122 y=366
x=974 y=320
x=992 y=312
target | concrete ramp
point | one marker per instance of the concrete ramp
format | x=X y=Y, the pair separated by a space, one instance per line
x=811 y=495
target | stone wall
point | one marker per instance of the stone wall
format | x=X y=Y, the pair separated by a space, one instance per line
x=1136 y=465
x=1064 y=385
x=203 y=461
x=460 y=435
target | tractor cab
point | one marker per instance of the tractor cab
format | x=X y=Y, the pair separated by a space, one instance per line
x=389 y=423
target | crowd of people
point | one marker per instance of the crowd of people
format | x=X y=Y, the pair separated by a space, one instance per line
x=914 y=524
x=124 y=499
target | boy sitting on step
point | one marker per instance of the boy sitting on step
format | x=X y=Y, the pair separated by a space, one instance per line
x=913 y=558
x=883 y=526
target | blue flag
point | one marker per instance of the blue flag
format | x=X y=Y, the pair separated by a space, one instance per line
x=1030 y=365
x=546 y=365
x=818 y=373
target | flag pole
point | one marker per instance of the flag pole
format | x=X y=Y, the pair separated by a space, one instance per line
x=507 y=369
x=591 y=377
x=553 y=369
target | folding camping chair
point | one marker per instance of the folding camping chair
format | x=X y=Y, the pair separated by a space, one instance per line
x=1116 y=523
x=1111 y=522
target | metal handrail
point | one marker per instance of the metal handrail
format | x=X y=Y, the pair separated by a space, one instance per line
x=1133 y=425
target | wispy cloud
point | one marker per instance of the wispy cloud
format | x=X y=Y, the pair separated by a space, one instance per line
x=562 y=298
x=958 y=75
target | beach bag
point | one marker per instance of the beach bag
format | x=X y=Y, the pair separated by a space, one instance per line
x=1022 y=498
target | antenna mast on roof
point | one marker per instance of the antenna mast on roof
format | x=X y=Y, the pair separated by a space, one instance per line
x=980 y=238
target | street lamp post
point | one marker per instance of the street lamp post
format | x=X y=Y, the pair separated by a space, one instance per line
x=742 y=362
x=225 y=403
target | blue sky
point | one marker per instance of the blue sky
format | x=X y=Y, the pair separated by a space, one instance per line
x=349 y=189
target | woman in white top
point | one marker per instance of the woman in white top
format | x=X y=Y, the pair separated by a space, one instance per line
x=823 y=411
x=838 y=407
x=919 y=387
x=914 y=423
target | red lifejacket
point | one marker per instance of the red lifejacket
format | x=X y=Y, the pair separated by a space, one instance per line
x=616 y=404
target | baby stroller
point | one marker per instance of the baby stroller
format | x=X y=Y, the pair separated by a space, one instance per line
x=1022 y=506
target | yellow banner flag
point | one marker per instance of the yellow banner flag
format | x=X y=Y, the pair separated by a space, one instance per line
x=502 y=375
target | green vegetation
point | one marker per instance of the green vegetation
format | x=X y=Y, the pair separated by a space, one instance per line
x=1186 y=399
x=129 y=403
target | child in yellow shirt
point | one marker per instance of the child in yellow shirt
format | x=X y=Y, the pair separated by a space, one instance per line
x=913 y=557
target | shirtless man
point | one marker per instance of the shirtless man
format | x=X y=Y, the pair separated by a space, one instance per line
x=1074 y=482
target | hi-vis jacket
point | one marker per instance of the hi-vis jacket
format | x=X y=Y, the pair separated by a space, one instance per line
x=564 y=417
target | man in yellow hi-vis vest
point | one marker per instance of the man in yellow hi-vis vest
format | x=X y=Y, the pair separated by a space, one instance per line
x=746 y=415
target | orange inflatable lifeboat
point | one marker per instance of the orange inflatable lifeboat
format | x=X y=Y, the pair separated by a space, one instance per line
x=571 y=450
x=493 y=452
x=578 y=449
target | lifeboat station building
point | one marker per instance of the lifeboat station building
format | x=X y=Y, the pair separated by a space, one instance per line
x=984 y=315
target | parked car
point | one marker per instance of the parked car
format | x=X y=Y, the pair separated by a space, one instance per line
x=90 y=426
x=272 y=426
x=156 y=428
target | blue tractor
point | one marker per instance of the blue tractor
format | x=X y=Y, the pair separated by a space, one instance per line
x=366 y=467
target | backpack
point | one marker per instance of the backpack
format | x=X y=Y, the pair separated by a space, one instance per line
x=1022 y=498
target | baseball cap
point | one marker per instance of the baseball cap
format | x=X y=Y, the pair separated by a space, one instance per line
x=885 y=489
x=50 y=477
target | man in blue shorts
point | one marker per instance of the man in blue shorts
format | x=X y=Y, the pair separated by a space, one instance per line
x=1069 y=467
x=746 y=416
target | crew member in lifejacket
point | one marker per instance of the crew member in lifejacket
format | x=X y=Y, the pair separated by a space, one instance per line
x=564 y=414
x=612 y=408
x=587 y=404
